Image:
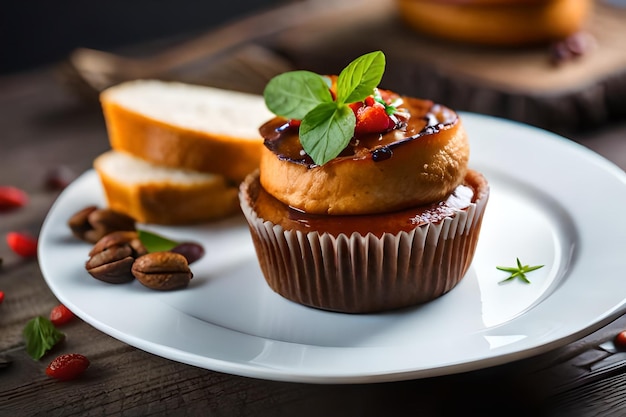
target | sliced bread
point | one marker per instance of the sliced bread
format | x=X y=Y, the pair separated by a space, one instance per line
x=186 y=126
x=163 y=195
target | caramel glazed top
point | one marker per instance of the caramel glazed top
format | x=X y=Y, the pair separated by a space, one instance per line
x=426 y=118
x=414 y=119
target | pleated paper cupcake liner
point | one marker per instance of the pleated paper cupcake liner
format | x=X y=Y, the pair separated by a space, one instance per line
x=360 y=274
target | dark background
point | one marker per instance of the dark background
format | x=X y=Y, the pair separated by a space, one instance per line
x=35 y=33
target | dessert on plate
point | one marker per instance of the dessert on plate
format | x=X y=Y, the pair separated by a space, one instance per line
x=363 y=201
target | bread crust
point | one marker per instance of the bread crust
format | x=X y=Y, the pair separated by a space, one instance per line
x=186 y=126
x=169 y=145
x=168 y=202
x=420 y=171
x=496 y=22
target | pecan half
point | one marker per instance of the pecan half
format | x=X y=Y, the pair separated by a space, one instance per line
x=162 y=270
x=92 y=223
x=112 y=257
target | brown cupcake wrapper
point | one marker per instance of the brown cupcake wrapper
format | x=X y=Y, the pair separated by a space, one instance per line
x=359 y=274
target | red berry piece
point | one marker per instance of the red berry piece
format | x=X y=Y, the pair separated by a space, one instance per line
x=58 y=178
x=356 y=106
x=67 y=367
x=372 y=119
x=190 y=250
x=1 y=296
x=60 y=315
x=369 y=101
x=23 y=244
x=620 y=340
x=11 y=198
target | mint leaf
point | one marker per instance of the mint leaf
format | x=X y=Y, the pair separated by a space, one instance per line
x=326 y=130
x=156 y=243
x=359 y=79
x=41 y=336
x=327 y=125
x=293 y=94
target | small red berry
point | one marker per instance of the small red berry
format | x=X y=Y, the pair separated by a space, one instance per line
x=620 y=340
x=371 y=119
x=22 y=244
x=1 y=296
x=68 y=366
x=60 y=315
x=58 y=178
x=11 y=198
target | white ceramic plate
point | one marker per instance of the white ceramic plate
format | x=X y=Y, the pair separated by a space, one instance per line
x=552 y=202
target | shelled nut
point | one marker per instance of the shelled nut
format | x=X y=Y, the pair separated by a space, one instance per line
x=112 y=257
x=92 y=223
x=162 y=270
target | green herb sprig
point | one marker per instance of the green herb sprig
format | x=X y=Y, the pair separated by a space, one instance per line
x=327 y=125
x=40 y=336
x=518 y=271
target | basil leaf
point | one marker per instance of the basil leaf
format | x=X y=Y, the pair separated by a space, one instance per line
x=359 y=79
x=293 y=94
x=41 y=336
x=156 y=243
x=326 y=130
x=327 y=124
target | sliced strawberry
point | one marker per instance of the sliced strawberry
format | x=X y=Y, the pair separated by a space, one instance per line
x=356 y=106
x=372 y=119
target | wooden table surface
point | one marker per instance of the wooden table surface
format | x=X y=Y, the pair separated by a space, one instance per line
x=45 y=127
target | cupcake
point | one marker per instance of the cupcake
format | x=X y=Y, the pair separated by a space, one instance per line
x=363 y=200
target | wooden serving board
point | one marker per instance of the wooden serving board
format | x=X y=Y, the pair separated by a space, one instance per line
x=518 y=83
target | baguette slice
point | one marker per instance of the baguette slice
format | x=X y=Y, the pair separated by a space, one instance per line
x=163 y=195
x=186 y=126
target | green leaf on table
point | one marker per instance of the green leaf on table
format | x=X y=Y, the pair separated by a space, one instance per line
x=156 y=243
x=40 y=336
